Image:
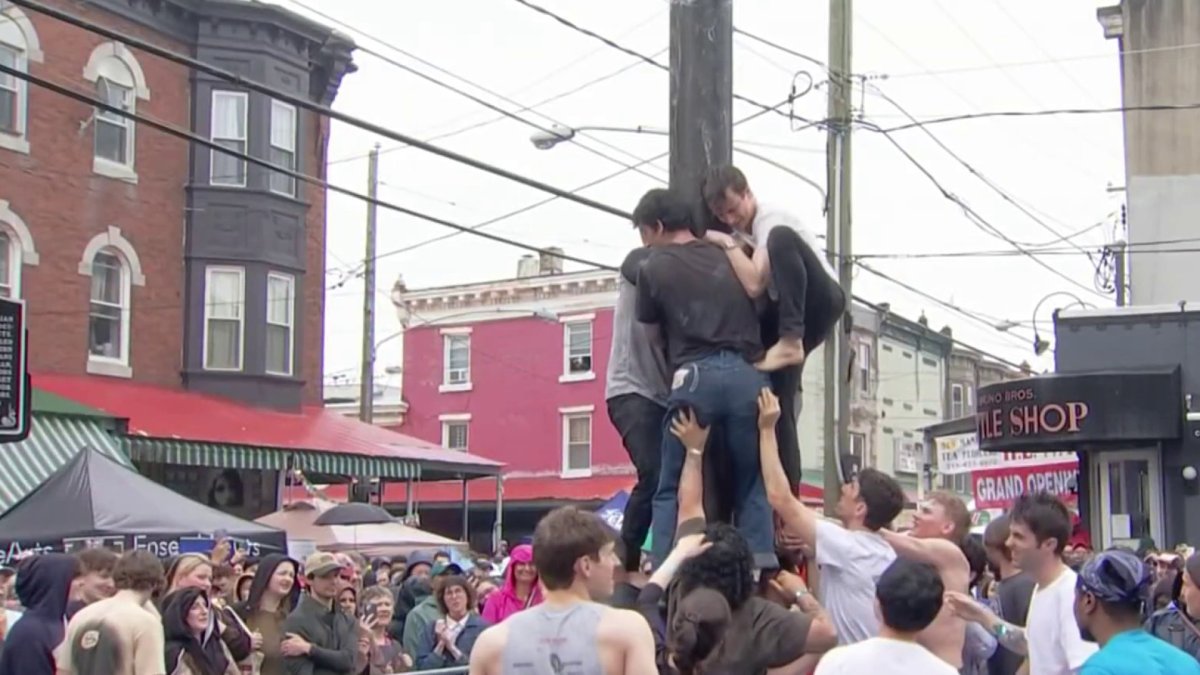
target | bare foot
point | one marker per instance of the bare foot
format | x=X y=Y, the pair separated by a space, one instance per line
x=786 y=352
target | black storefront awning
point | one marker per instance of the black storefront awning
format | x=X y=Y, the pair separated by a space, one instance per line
x=1053 y=411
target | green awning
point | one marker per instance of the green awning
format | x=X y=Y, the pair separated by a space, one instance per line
x=225 y=456
x=54 y=439
x=45 y=402
x=196 y=453
x=339 y=464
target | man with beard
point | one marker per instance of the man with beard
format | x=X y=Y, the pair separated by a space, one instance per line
x=939 y=528
x=1039 y=528
x=1109 y=596
x=569 y=632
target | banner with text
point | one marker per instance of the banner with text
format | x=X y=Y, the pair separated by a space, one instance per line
x=961 y=454
x=999 y=488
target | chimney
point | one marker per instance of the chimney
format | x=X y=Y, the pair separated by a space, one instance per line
x=550 y=261
x=527 y=266
x=923 y=321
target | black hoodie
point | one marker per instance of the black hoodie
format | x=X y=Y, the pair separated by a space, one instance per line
x=205 y=658
x=44 y=588
x=262 y=578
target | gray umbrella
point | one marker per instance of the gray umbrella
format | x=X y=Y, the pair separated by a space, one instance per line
x=355 y=513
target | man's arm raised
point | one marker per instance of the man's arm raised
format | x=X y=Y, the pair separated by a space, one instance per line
x=796 y=516
x=944 y=555
x=691 y=480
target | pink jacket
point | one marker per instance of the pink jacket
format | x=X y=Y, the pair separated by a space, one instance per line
x=504 y=602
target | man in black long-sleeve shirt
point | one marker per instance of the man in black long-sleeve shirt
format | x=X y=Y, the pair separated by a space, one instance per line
x=318 y=638
x=710 y=325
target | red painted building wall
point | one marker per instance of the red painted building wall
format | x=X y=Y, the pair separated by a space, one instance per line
x=516 y=396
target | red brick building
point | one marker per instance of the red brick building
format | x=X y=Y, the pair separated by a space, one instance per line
x=163 y=279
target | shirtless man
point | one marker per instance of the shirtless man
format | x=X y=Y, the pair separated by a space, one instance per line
x=940 y=523
x=573 y=552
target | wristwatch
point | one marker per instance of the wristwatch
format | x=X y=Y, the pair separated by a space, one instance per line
x=799 y=595
x=999 y=629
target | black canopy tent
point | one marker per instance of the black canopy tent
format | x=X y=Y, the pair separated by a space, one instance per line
x=93 y=497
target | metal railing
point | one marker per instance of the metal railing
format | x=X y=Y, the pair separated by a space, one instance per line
x=456 y=670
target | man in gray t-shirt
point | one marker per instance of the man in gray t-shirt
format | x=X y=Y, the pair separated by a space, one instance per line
x=636 y=394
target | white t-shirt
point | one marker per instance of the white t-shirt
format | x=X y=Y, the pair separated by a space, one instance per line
x=1055 y=646
x=851 y=564
x=883 y=655
x=767 y=218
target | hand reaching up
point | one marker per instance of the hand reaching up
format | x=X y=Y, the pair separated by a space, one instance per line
x=768 y=409
x=688 y=430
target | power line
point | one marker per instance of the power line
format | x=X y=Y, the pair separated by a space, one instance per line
x=299 y=102
x=500 y=118
x=1039 y=62
x=978 y=220
x=979 y=174
x=449 y=87
x=621 y=48
x=786 y=50
x=184 y=134
x=1165 y=107
x=537 y=204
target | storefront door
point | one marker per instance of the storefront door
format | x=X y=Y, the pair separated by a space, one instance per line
x=1127 y=502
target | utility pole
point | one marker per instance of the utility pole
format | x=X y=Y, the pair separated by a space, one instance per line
x=837 y=239
x=366 y=394
x=1118 y=254
x=701 y=95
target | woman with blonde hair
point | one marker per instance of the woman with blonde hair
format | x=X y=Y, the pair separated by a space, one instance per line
x=382 y=653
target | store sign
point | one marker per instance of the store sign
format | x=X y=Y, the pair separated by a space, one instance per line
x=1067 y=409
x=14 y=373
x=960 y=454
x=999 y=488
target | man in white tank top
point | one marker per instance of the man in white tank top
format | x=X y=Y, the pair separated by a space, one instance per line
x=569 y=633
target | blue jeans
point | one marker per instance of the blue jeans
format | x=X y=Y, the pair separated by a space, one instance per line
x=721 y=389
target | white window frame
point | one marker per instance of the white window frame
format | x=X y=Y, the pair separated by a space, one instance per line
x=456 y=420
x=279 y=107
x=567 y=322
x=114 y=61
x=18 y=34
x=585 y=412
x=859 y=440
x=449 y=335
x=209 y=273
x=13 y=258
x=17 y=139
x=117 y=366
x=864 y=368
x=124 y=170
x=222 y=94
x=966 y=400
x=290 y=325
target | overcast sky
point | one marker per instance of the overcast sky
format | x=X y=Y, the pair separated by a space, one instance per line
x=934 y=57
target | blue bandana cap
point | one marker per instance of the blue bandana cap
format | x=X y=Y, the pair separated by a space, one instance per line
x=1116 y=576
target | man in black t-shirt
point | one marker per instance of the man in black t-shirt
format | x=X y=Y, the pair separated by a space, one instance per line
x=710 y=325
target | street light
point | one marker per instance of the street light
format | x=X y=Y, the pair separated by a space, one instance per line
x=545 y=139
x=1039 y=345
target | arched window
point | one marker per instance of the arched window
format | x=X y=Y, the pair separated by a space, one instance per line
x=18 y=46
x=119 y=83
x=108 y=315
x=113 y=265
x=16 y=249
